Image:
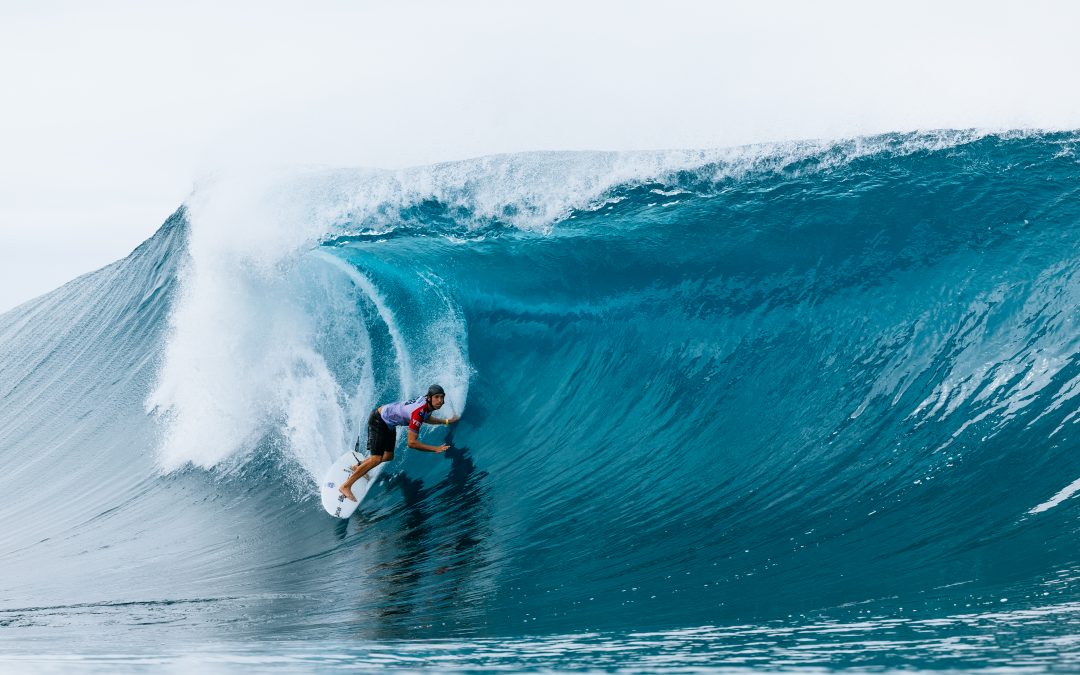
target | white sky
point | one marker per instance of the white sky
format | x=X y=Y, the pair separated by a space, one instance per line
x=111 y=110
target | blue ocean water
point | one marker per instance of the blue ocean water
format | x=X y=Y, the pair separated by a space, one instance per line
x=784 y=407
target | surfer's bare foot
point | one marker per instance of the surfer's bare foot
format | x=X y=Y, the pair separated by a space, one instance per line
x=347 y=492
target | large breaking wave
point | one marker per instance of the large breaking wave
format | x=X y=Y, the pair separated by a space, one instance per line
x=697 y=388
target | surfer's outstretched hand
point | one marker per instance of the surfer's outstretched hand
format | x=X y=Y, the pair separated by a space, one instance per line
x=442 y=448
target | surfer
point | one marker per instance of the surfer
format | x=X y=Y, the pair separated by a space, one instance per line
x=382 y=434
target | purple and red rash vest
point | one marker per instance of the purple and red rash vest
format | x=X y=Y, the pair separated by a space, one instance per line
x=407 y=413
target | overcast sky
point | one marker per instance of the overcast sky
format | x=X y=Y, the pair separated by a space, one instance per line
x=112 y=110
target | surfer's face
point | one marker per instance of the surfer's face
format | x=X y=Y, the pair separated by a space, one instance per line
x=437 y=400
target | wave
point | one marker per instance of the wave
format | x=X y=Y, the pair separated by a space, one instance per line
x=696 y=387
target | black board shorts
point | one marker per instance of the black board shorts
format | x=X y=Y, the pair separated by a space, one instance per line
x=380 y=437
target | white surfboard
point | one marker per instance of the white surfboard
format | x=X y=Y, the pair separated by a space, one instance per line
x=337 y=504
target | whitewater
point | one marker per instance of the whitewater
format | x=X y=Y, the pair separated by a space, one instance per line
x=788 y=407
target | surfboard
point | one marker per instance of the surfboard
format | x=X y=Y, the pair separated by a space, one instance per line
x=337 y=504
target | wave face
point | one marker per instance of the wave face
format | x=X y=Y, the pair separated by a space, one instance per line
x=830 y=381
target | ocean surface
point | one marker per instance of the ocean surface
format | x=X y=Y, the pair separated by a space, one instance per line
x=793 y=407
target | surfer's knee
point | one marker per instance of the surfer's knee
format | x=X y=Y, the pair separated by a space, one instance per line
x=388 y=457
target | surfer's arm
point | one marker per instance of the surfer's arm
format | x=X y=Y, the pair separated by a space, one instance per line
x=436 y=420
x=415 y=444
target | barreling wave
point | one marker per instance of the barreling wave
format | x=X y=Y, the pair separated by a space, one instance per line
x=697 y=388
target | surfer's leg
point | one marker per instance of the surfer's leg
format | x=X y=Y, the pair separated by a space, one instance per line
x=361 y=470
x=380 y=438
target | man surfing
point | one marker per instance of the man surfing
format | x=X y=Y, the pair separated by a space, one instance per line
x=382 y=434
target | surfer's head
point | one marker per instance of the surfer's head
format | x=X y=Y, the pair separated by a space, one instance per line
x=435 y=396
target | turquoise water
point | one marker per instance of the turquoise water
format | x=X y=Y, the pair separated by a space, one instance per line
x=784 y=407
x=1036 y=640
